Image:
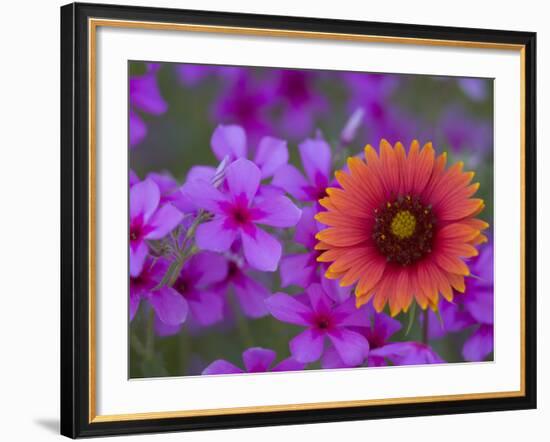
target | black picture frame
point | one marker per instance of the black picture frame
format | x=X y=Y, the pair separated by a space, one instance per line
x=75 y=221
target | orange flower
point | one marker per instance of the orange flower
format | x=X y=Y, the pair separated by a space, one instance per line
x=400 y=227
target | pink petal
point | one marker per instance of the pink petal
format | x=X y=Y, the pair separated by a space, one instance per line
x=261 y=250
x=206 y=307
x=214 y=236
x=251 y=296
x=138 y=254
x=203 y=195
x=169 y=305
x=351 y=346
x=243 y=177
x=144 y=199
x=278 y=211
x=316 y=158
x=286 y=308
x=289 y=364
x=307 y=346
x=229 y=140
x=297 y=270
x=258 y=360
x=292 y=181
x=478 y=346
x=272 y=153
x=221 y=367
x=164 y=221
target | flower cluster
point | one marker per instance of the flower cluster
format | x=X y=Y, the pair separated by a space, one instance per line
x=284 y=244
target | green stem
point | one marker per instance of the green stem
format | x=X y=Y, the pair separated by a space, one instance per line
x=425 y=325
x=137 y=346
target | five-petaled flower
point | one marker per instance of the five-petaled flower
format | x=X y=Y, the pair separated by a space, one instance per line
x=323 y=318
x=236 y=213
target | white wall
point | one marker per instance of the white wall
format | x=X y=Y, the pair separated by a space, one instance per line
x=29 y=220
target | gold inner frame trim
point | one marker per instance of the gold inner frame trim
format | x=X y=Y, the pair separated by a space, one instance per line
x=93 y=24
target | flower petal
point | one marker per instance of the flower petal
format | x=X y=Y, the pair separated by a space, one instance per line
x=289 y=364
x=319 y=300
x=207 y=307
x=243 y=177
x=272 y=153
x=251 y=296
x=286 y=308
x=478 y=346
x=331 y=359
x=221 y=366
x=134 y=304
x=169 y=305
x=207 y=268
x=261 y=250
x=307 y=346
x=297 y=270
x=316 y=158
x=292 y=181
x=138 y=253
x=307 y=228
x=229 y=140
x=351 y=346
x=144 y=199
x=164 y=221
x=145 y=94
x=258 y=360
x=203 y=195
x=138 y=129
x=214 y=236
x=278 y=211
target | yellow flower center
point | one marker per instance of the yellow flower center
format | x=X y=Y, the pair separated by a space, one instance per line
x=403 y=224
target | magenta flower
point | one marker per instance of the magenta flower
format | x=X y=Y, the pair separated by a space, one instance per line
x=148 y=220
x=145 y=97
x=230 y=141
x=256 y=360
x=237 y=213
x=323 y=318
x=316 y=160
x=169 y=306
x=245 y=102
x=302 y=102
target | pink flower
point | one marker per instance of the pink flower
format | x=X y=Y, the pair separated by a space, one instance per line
x=323 y=318
x=238 y=210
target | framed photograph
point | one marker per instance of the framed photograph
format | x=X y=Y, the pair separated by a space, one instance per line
x=275 y=220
